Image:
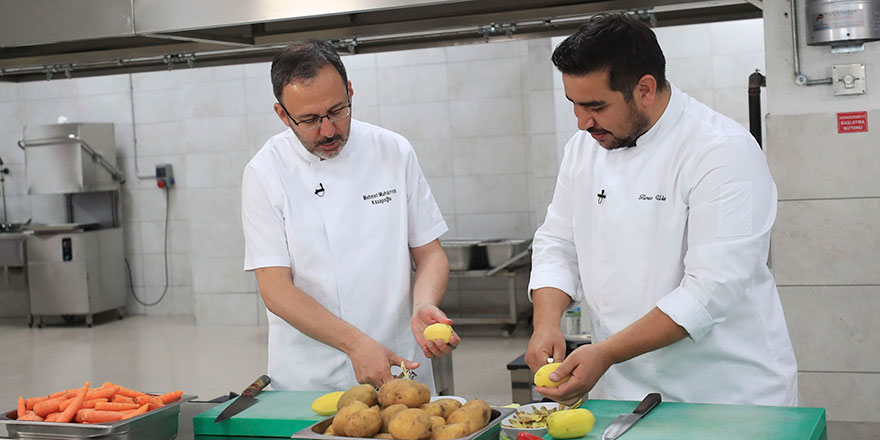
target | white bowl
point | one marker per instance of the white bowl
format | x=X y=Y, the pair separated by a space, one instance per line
x=511 y=431
x=461 y=400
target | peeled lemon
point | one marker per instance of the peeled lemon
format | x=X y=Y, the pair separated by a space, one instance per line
x=438 y=331
x=542 y=376
x=570 y=423
x=326 y=404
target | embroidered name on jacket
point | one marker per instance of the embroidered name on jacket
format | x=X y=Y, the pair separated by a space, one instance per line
x=378 y=198
x=657 y=197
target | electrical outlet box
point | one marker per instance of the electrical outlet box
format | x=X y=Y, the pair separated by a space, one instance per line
x=164 y=175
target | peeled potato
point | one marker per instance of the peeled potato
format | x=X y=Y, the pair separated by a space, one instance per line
x=326 y=404
x=438 y=331
x=542 y=376
x=570 y=423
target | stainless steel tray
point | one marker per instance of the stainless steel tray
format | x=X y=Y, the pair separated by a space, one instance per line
x=316 y=431
x=160 y=424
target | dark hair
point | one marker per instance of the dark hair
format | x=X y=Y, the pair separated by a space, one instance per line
x=619 y=43
x=302 y=60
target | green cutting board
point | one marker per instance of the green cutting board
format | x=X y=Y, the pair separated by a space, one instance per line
x=690 y=421
x=276 y=414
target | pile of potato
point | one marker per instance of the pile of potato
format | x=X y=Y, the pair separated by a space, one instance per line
x=402 y=410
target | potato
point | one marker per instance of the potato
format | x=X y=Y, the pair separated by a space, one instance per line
x=432 y=409
x=482 y=407
x=410 y=424
x=449 y=406
x=474 y=415
x=342 y=416
x=447 y=432
x=388 y=413
x=384 y=435
x=437 y=421
x=329 y=431
x=364 y=423
x=405 y=391
x=364 y=392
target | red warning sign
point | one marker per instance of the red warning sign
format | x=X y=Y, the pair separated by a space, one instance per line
x=852 y=122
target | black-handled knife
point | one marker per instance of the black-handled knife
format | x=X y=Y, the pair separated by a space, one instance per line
x=245 y=400
x=626 y=421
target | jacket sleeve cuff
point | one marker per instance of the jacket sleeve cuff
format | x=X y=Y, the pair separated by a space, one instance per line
x=254 y=263
x=549 y=276
x=429 y=236
x=687 y=312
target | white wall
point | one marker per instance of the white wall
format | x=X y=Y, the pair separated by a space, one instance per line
x=826 y=242
x=488 y=122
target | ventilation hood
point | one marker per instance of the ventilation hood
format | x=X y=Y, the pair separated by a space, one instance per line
x=50 y=39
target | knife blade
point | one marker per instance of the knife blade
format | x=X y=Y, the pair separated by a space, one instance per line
x=623 y=422
x=245 y=400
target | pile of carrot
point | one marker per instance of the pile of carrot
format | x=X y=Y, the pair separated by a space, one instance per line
x=108 y=403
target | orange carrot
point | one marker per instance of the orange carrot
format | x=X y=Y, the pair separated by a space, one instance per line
x=119 y=398
x=22 y=408
x=92 y=403
x=135 y=412
x=95 y=416
x=110 y=406
x=64 y=403
x=30 y=417
x=47 y=407
x=79 y=415
x=104 y=393
x=31 y=401
x=171 y=397
x=69 y=413
x=62 y=393
x=130 y=393
x=53 y=417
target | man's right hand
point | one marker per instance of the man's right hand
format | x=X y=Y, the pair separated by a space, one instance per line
x=372 y=362
x=546 y=342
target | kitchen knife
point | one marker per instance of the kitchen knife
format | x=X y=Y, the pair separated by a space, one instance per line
x=245 y=400
x=626 y=421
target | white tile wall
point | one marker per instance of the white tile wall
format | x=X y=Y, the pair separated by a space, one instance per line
x=827 y=242
x=487 y=121
x=845 y=396
x=844 y=337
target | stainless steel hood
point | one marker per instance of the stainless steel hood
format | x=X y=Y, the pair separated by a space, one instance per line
x=47 y=39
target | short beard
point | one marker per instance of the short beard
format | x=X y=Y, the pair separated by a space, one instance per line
x=639 y=127
x=313 y=147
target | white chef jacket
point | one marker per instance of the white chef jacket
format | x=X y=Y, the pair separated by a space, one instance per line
x=348 y=248
x=684 y=226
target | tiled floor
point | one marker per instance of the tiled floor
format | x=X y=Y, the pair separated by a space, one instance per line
x=153 y=353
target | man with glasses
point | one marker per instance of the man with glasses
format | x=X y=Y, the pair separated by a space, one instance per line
x=332 y=210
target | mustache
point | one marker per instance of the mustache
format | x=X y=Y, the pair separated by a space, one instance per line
x=596 y=130
x=330 y=140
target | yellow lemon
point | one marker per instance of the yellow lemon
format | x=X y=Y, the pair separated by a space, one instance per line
x=570 y=423
x=438 y=331
x=542 y=376
x=326 y=404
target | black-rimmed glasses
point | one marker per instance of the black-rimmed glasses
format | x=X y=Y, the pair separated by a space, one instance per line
x=315 y=122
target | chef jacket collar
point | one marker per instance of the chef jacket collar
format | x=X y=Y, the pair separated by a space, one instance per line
x=668 y=118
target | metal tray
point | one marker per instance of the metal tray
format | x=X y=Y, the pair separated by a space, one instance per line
x=160 y=424
x=490 y=431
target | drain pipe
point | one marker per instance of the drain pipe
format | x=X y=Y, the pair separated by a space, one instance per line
x=799 y=78
x=756 y=81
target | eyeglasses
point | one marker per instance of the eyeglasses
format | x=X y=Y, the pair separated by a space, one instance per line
x=313 y=123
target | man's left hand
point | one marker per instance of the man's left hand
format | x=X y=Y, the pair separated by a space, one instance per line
x=585 y=365
x=424 y=315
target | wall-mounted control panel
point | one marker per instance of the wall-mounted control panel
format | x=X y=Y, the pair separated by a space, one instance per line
x=164 y=175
